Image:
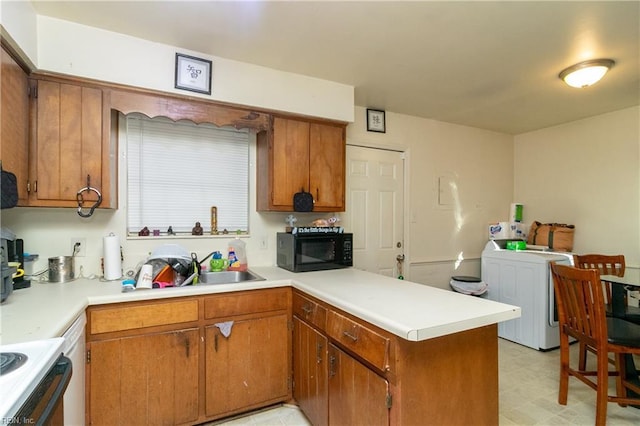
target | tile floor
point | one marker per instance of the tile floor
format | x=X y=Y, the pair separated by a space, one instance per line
x=528 y=395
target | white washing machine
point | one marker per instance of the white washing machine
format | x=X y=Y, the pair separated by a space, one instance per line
x=523 y=278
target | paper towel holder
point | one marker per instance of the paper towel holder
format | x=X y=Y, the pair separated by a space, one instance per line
x=112 y=257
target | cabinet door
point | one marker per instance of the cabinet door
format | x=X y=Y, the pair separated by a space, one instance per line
x=249 y=368
x=327 y=166
x=357 y=396
x=310 y=372
x=14 y=133
x=149 y=379
x=290 y=160
x=68 y=144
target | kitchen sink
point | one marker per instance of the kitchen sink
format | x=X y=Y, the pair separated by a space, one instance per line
x=229 y=277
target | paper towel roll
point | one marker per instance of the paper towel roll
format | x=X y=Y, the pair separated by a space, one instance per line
x=112 y=259
x=499 y=230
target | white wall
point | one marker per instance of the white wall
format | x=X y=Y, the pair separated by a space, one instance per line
x=586 y=173
x=19 y=24
x=480 y=165
x=119 y=58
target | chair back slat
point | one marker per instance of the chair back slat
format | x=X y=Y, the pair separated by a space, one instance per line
x=580 y=303
x=606 y=264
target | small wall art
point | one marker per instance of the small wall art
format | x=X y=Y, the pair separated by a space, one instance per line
x=193 y=74
x=375 y=121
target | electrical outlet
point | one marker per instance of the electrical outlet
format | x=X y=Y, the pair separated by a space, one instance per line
x=80 y=251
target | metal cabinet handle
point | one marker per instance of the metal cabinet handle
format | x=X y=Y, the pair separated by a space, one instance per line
x=332 y=364
x=307 y=309
x=319 y=353
x=351 y=336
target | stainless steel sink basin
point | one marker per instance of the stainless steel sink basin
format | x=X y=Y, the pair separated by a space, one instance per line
x=229 y=277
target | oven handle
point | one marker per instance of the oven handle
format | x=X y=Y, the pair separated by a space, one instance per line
x=63 y=366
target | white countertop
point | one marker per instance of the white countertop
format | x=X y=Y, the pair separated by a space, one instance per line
x=409 y=310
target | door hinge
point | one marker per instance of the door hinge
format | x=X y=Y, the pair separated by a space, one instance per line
x=88 y=356
x=291 y=384
x=290 y=325
x=389 y=400
x=33 y=91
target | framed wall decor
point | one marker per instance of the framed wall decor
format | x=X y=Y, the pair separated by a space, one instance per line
x=193 y=73
x=375 y=121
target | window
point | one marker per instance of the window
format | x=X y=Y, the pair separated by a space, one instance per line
x=178 y=171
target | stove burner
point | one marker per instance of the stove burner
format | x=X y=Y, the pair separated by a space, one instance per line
x=10 y=361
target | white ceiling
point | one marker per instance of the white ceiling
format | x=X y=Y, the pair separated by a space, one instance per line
x=491 y=65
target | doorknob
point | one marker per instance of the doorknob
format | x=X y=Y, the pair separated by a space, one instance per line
x=400 y=261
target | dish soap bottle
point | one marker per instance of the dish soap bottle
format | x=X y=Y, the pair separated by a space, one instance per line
x=237 y=255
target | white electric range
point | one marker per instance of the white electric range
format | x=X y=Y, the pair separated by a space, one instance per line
x=25 y=368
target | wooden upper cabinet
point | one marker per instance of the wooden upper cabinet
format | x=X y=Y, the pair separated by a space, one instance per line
x=70 y=145
x=327 y=166
x=14 y=131
x=301 y=155
x=290 y=160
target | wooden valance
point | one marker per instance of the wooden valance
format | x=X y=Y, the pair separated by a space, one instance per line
x=154 y=105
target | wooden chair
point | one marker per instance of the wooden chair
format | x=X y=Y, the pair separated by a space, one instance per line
x=581 y=311
x=606 y=265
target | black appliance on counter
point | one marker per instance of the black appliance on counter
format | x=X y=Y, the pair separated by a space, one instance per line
x=8 y=238
x=314 y=249
x=12 y=251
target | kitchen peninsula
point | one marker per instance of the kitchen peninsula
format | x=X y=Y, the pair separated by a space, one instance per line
x=411 y=351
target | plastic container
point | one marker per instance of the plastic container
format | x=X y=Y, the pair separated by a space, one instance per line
x=516 y=245
x=29 y=260
x=237 y=255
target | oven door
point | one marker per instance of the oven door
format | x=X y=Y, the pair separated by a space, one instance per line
x=44 y=405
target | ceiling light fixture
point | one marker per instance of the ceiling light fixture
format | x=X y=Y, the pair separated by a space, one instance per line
x=586 y=73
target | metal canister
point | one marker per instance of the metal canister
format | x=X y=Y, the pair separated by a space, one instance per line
x=61 y=269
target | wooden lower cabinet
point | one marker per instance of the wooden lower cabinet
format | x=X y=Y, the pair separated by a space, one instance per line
x=377 y=378
x=357 y=395
x=149 y=379
x=166 y=361
x=249 y=368
x=310 y=372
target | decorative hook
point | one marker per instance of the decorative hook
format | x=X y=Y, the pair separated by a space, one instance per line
x=80 y=199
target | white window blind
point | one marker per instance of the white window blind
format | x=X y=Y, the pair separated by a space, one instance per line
x=178 y=170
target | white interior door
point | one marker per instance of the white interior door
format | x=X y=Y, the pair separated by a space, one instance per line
x=375 y=208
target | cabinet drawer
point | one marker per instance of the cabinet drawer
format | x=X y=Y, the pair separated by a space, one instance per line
x=121 y=318
x=360 y=339
x=249 y=302
x=309 y=311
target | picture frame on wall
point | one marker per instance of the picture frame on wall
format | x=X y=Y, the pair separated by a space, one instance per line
x=193 y=74
x=376 y=120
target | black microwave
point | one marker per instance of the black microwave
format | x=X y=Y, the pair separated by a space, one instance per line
x=303 y=252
